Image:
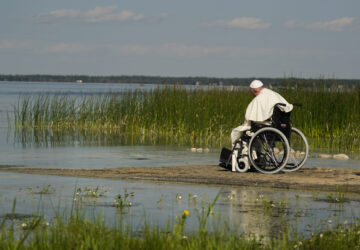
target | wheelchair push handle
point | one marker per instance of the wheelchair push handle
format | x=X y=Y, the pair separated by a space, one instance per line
x=295 y=104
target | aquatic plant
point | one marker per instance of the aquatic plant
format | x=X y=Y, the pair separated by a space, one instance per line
x=175 y=115
x=45 y=189
x=88 y=192
x=159 y=203
x=302 y=212
x=271 y=206
x=121 y=201
x=339 y=197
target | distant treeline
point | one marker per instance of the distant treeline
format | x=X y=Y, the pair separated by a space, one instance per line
x=181 y=80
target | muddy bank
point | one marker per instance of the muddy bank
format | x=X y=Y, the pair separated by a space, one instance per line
x=321 y=179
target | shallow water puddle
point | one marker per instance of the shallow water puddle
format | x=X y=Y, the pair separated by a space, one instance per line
x=244 y=209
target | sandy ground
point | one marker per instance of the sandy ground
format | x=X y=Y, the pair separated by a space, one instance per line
x=322 y=179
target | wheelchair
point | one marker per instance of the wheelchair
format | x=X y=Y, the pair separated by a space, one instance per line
x=268 y=147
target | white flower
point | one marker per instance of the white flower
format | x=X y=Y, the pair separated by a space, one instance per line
x=330 y=221
x=179 y=197
x=321 y=235
x=23 y=225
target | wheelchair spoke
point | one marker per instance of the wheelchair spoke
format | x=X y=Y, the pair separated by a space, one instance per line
x=269 y=159
x=270 y=152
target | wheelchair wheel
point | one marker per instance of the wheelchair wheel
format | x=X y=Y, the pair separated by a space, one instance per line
x=268 y=150
x=299 y=151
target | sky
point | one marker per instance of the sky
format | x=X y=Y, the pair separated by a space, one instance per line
x=211 y=38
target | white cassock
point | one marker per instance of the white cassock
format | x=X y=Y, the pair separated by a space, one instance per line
x=259 y=110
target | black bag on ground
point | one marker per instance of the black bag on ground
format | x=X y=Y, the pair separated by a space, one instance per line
x=225 y=157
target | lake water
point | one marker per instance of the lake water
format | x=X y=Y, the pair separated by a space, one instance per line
x=243 y=207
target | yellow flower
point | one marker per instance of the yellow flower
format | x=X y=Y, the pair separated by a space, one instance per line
x=186 y=212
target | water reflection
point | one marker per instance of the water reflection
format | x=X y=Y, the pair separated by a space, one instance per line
x=49 y=137
x=249 y=211
x=270 y=213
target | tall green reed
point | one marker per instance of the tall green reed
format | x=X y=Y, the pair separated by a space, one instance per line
x=195 y=117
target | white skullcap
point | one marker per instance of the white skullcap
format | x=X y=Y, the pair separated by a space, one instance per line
x=256 y=84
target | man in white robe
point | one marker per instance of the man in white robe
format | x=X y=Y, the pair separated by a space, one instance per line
x=260 y=109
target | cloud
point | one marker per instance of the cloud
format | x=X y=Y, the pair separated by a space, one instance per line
x=67 y=48
x=339 y=24
x=100 y=14
x=179 y=50
x=40 y=47
x=182 y=50
x=250 y=23
x=12 y=44
x=170 y=50
x=131 y=49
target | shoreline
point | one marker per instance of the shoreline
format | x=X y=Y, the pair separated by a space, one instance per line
x=314 y=179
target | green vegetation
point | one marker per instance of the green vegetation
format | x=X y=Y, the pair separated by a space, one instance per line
x=45 y=189
x=88 y=192
x=174 y=115
x=77 y=231
x=121 y=201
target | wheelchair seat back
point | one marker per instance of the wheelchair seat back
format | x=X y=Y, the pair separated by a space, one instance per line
x=281 y=121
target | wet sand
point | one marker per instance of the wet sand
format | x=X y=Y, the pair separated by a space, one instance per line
x=321 y=179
